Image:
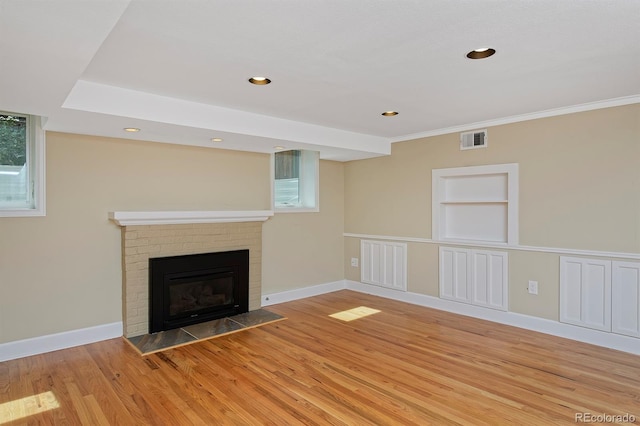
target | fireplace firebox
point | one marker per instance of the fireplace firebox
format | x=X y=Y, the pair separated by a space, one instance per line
x=190 y=289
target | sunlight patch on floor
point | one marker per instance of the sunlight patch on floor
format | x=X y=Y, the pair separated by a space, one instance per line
x=27 y=406
x=355 y=313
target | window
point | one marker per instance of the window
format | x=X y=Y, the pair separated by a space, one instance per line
x=295 y=180
x=21 y=165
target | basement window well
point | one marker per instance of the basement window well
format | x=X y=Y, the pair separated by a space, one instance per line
x=21 y=165
x=295 y=181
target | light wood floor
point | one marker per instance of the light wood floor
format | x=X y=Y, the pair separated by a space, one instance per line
x=405 y=365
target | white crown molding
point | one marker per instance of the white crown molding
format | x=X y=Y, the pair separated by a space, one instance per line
x=626 y=100
x=182 y=217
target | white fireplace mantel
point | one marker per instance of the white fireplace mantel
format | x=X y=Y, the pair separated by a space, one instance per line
x=181 y=217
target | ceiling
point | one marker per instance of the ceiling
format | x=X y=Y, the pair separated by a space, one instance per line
x=178 y=69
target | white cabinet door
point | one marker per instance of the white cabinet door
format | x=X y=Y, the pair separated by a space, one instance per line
x=489 y=272
x=625 y=295
x=585 y=292
x=477 y=277
x=455 y=270
x=384 y=264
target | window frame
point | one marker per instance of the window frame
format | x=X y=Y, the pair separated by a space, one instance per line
x=35 y=165
x=309 y=181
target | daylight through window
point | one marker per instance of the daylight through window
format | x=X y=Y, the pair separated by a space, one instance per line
x=19 y=166
x=295 y=183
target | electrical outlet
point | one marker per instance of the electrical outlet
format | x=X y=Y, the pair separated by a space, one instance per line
x=354 y=262
x=533 y=287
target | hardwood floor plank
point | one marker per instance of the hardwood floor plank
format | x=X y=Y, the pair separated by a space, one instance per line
x=404 y=365
x=354 y=362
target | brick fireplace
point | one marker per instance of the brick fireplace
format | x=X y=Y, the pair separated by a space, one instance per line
x=159 y=234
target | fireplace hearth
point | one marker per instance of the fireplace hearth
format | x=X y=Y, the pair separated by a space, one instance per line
x=194 y=288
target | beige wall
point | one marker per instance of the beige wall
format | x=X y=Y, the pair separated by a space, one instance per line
x=63 y=272
x=307 y=248
x=579 y=180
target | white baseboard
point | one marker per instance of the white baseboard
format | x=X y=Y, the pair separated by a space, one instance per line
x=555 y=328
x=54 y=342
x=541 y=325
x=301 y=293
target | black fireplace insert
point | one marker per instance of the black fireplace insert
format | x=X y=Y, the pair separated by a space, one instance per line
x=190 y=289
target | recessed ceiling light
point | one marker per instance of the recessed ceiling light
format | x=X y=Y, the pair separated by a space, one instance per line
x=481 y=53
x=216 y=139
x=131 y=129
x=390 y=113
x=279 y=148
x=260 y=81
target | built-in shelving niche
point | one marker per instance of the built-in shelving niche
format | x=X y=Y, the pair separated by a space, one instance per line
x=476 y=204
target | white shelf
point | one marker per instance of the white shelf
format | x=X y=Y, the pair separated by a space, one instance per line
x=474 y=202
x=478 y=203
x=182 y=217
x=453 y=241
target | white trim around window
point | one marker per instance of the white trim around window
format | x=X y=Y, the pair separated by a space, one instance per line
x=36 y=159
x=305 y=191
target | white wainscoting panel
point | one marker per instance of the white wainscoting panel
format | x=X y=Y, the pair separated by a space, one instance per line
x=477 y=277
x=384 y=263
x=455 y=269
x=625 y=298
x=489 y=271
x=585 y=292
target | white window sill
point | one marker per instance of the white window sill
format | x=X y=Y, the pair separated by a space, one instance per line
x=22 y=213
x=296 y=210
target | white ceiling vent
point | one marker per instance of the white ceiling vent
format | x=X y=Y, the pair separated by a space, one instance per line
x=473 y=139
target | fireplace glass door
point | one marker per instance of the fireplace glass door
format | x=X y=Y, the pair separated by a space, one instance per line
x=189 y=296
x=189 y=289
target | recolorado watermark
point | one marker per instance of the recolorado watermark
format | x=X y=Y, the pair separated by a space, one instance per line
x=604 y=418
